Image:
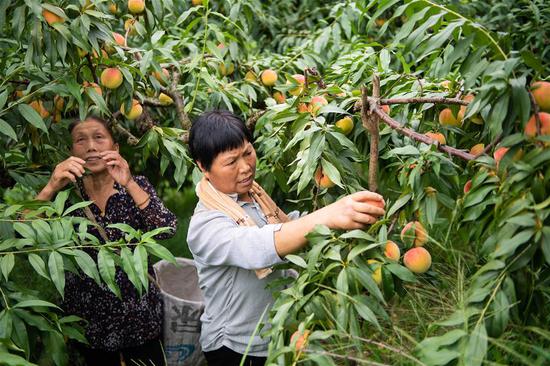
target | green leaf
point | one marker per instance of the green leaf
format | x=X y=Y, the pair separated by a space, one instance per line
x=356 y=234
x=364 y=311
x=7 y=263
x=32 y=116
x=128 y=267
x=106 y=265
x=342 y=282
x=438 y=357
x=521 y=98
x=87 y=265
x=332 y=172
x=477 y=196
x=9 y=359
x=20 y=335
x=329 y=108
x=545 y=244
x=508 y=246
x=59 y=203
x=5 y=324
x=36 y=302
x=401 y=272
x=360 y=248
x=476 y=348
x=297 y=260
x=125 y=228
x=408 y=150
x=3 y=98
x=7 y=130
x=402 y=201
x=447 y=339
x=140 y=263
x=57 y=271
x=76 y=207
x=365 y=278
x=160 y=251
x=24 y=230
x=38 y=264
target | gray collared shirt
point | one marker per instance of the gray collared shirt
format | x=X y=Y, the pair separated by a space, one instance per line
x=226 y=256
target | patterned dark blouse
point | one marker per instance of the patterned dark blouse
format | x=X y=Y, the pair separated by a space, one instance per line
x=114 y=324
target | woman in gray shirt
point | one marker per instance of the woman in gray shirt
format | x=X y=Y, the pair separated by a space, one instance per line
x=237 y=234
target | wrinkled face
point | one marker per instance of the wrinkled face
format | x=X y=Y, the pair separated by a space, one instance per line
x=91 y=137
x=233 y=171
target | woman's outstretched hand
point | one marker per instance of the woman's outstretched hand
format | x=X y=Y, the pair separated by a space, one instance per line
x=353 y=211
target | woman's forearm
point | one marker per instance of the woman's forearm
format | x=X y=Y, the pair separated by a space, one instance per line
x=292 y=235
x=46 y=194
x=351 y=212
x=138 y=194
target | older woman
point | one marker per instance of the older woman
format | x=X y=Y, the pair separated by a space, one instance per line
x=131 y=325
x=237 y=234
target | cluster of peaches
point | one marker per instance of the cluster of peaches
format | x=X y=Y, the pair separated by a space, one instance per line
x=417 y=259
x=111 y=77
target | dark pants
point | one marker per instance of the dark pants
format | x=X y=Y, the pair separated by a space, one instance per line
x=148 y=354
x=227 y=357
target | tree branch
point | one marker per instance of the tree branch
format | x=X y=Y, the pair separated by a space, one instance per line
x=433 y=100
x=183 y=118
x=254 y=117
x=371 y=122
x=153 y=102
x=130 y=139
x=418 y=136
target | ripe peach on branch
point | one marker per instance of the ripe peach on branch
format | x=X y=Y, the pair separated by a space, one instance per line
x=541 y=94
x=300 y=80
x=322 y=180
x=134 y=112
x=111 y=78
x=345 y=125
x=301 y=339
x=414 y=231
x=391 y=251
x=268 y=77
x=417 y=260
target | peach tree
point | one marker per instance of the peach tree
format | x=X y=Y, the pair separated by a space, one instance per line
x=441 y=107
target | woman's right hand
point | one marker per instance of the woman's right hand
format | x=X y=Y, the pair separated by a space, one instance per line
x=65 y=172
x=353 y=211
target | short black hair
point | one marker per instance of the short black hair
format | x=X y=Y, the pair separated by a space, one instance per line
x=107 y=124
x=215 y=132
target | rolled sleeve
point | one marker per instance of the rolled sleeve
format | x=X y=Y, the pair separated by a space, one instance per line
x=216 y=240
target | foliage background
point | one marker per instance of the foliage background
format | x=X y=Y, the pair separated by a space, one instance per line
x=484 y=299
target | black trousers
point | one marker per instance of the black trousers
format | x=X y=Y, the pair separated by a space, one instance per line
x=227 y=357
x=149 y=354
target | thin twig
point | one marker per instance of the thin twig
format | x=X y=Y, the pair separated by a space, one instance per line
x=536 y=109
x=490 y=146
